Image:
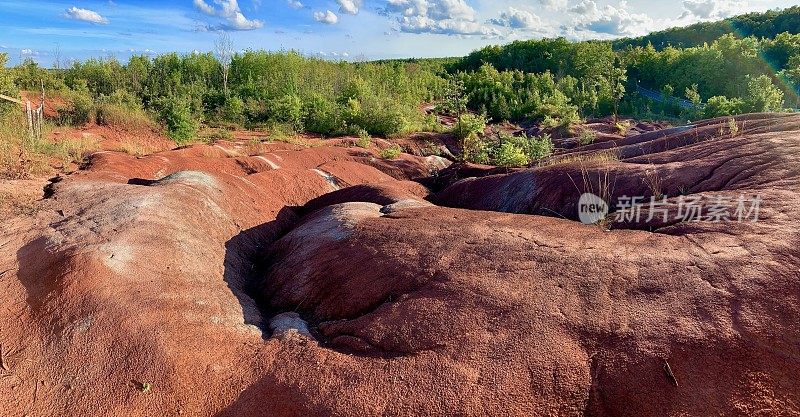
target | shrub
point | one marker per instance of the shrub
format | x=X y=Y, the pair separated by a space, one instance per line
x=587 y=137
x=80 y=110
x=384 y=122
x=233 y=110
x=364 y=139
x=320 y=115
x=622 y=127
x=539 y=147
x=474 y=150
x=122 y=117
x=468 y=125
x=509 y=154
x=121 y=98
x=391 y=152
x=213 y=135
x=7 y=87
x=763 y=95
x=287 y=109
x=180 y=123
x=719 y=106
x=733 y=128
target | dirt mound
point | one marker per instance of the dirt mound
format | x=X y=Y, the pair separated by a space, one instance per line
x=277 y=280
x=130 y=293
x=515 y=315
x=704 y=160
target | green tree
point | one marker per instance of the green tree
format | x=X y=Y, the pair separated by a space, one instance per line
x=617 y=79
x=763 y=95
x=7 y=86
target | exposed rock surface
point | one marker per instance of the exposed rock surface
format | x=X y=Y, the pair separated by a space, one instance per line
x=318 y=282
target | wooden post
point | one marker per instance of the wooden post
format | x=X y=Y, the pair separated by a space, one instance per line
x=30 y=117
x=40 y=114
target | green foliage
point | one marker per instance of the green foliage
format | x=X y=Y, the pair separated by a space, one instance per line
x=719 y=106
x=552 y=81
x=617 y=79
x=321 y=115
x=587 y=137
x=391 y=152
x=537 y=147
x=364 y=139
x=122 y=117
x=180 y=123
x=80 y=109
x=505 y=150
x=7 y=86
x=586 y=61
x=510 y=155
x=454 y=101
x=763 y=95
x=514 y=95
x=287 y=109
x=333 y=98
x=30 y=76
x=470 y=125
x=693 y=96
x=724 y=67
x=761 y=25
x=233 y=110
x=474 y=149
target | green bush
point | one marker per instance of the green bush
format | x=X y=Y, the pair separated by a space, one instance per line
x=475 y=150
x=391 y=152
x=7 y=87
x=364 y=139
x=719 y=106
x=178 y=118
x=233 y=110
x=320 y=115
x=540 y=147
x=763 y=95
x=510 y=155
x=470 y=125
x=288 y=110
x=536 y=147
x=587 y=137
x=123 y=117
x=80 y=109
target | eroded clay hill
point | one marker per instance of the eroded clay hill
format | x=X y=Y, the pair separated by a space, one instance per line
x=326 y=281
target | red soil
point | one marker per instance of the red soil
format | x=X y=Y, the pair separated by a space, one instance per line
x=276 y=280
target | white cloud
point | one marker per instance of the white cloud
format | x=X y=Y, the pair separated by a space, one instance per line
x=349 y=6
x=295 y=4
x=710 y=9
x=448 y=17
x=204 y=7
x=230 y=12
x=585 y=7
x=610 y=20
x=555 y=5
x=328 y=17
x=85 y=15
x=518 y=19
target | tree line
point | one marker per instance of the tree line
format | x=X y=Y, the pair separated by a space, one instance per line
x=552 y=81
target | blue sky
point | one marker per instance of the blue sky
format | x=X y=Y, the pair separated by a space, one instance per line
x=336 y=29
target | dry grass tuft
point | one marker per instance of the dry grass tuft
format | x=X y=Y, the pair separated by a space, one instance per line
x=608 y=155
x=24 y=157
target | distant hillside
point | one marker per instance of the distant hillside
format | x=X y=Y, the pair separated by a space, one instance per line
x=762 y=25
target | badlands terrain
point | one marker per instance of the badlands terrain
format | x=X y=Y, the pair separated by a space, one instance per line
x=272 y=279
